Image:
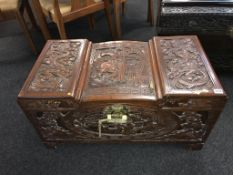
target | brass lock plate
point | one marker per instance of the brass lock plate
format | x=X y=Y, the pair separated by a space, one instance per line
x=115 y=114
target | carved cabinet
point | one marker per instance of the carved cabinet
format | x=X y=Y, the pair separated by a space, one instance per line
x=163 y=90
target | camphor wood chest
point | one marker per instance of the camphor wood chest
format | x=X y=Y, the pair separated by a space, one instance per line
x=163 y=90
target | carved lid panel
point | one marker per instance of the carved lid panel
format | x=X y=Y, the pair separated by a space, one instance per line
x=122 y=70
x=119 y=70
x=57 y=70
x=184 y=67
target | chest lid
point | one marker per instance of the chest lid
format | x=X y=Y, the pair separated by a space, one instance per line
x=120 y=70
x=184 y=68
x=57 y=71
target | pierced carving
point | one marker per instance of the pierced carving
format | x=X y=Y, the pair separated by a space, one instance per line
x=56 y=69
x=120 y=68
x=183 y=64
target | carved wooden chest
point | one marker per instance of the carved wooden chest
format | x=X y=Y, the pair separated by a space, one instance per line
x=123 y=91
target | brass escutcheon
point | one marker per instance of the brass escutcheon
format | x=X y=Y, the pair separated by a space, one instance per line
x=116 y=114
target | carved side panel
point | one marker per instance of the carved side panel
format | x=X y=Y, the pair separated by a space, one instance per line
x=183 y=66
x=191 y=126
x=57 y=67
x=50 y=125
x=120 y=68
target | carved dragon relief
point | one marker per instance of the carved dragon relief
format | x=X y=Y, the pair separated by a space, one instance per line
x=184 y=66
x=141 y=124
x=56 y=69
x=121 y=68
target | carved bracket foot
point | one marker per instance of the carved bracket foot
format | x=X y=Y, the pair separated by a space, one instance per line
x=195 y=146
x=51 y=145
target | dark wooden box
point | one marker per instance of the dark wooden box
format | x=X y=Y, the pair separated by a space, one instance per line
x=163 y=90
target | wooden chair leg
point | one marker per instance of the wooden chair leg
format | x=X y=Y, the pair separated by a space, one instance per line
x=117 y=18
x=148 y=12
x=123 y=8
x=158 y=13
x=61 y=29
x=195 y=146
x=1 y=16
x=41 y=19
x=30 y=15
x=150 y=16
x=91 y=21
x=58 y=19
x=23 y=24
x=109 y=18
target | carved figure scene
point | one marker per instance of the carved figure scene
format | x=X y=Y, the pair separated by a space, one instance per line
x=117 y=65
x=121 y=67
x=140 y=124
